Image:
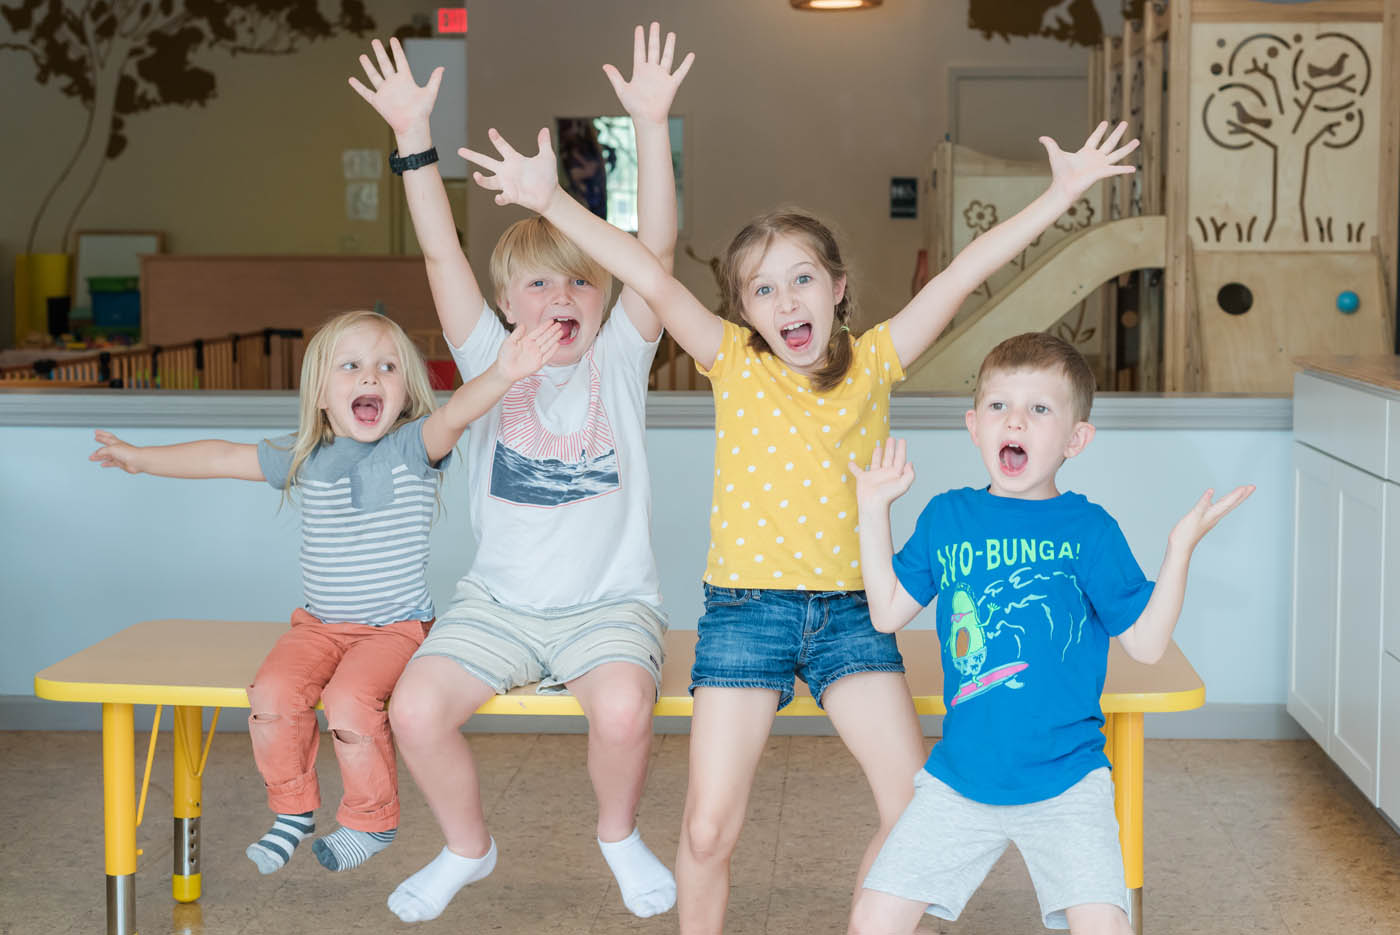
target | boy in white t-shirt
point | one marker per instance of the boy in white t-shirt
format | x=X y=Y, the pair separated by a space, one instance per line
x=564 y=588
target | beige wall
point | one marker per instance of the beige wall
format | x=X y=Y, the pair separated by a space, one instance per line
x=783 y=107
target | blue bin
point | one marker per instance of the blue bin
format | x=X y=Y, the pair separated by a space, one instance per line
x=116 y=309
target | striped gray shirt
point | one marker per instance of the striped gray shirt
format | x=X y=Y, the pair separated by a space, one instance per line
x=365 y=513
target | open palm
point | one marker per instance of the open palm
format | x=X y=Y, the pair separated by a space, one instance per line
x=1202 y=517
x=649 y=94
x=524 y=352
x=889 y=477
x=1073 y=173
x=396 y=96
x=530 y=182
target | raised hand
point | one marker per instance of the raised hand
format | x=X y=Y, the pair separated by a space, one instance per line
x=1073 y=173
x=524 y=352
x=396 y=96
x=115 y=453
x=531 y=182
x=888 y=478
x=653 y=86
x=1202 y=517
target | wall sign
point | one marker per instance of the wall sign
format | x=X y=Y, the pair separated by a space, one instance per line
x=451 y=20
x=904 y=197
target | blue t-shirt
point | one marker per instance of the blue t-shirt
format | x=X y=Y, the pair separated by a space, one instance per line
x=1029 y=593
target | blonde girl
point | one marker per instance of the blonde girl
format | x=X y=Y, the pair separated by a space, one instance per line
x=797 y=398
x=365 y=461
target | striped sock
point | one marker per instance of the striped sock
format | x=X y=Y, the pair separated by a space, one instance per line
x=272 y=851
x=346 y=848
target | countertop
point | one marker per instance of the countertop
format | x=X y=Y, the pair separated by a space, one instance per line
x=1381 y=370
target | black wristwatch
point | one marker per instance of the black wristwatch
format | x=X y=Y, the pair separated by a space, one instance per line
x=400 y=164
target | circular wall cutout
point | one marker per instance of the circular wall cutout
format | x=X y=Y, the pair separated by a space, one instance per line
x=1235 y=298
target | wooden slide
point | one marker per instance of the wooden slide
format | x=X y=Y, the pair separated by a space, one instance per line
x=1037 y=298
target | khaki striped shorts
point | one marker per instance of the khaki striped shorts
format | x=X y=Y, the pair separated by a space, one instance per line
x=507 y=646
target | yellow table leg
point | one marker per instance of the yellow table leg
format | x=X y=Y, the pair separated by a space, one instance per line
x=187 y=789
x=119 y=815
x=1125 y=731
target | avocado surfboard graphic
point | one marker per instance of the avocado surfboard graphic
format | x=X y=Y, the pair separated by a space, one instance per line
x=967 y=645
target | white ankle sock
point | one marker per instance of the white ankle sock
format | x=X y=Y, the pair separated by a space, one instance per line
x=426 y=894
x=648 y=888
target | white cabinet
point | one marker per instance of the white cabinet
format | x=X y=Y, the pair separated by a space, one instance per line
x=1390 y=737
x=1346 y=551
x=1314 y=591
x=1390 y=624
x=1355 y=741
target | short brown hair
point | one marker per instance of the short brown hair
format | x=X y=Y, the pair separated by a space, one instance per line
x=1037 y=350
x=536 y=243
x=749 y=247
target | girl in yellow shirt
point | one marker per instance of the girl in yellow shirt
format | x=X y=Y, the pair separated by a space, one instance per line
x=797 y=397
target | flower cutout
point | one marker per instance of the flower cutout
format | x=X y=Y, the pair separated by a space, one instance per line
x=980 y=217
x=1080 y=214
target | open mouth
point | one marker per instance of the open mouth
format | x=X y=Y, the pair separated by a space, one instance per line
x=366 y=409
x=570 y=326
x=797 y=335
x=1013 y=459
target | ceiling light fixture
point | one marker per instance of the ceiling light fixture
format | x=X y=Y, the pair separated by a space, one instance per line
x=834 y=4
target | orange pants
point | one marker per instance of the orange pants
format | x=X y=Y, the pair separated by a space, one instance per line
x=351 y=668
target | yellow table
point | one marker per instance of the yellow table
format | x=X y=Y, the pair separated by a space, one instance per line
x=194 y=664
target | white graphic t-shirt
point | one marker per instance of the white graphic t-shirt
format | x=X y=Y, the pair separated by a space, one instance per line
x=559 y=488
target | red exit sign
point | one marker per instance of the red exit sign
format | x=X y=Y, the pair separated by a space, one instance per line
x=452 y=19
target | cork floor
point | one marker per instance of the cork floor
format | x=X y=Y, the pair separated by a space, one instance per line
x=1242 y=837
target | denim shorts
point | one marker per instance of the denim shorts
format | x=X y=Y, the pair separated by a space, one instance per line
x=761 y=638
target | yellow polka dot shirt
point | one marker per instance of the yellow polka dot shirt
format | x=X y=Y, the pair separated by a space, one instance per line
x=784 y=510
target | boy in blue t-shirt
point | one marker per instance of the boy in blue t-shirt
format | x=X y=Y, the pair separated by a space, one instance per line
x=1031 y=584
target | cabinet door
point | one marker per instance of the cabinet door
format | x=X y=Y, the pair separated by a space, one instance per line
x=1310 y=666
x=1390 y=623
x=1355 y=742
x=1390 y=737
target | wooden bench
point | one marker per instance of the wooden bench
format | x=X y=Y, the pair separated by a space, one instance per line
x=197 y=664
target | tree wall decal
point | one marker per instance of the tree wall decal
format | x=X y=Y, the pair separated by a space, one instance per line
x=125 y=57
x=1288 y=95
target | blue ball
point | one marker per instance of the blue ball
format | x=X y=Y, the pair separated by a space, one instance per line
x=1348 y=302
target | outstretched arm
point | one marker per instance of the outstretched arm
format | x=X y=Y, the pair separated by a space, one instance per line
x=201 y=459
x=647 y=100
x=521 y=354
x=928 y=313
x=405 y=107
x=534 y=183
x=889 y=478
x=1148 y=637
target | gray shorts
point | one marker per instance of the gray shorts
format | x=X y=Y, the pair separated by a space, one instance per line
x=945 y=844
x=507 y=646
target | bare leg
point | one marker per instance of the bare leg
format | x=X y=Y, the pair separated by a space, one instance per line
x=432 y=701
x=727 y=733
x=876 y=913
x=1097 y=919
x=618 y=698
x=875 y=717
x=434 y=698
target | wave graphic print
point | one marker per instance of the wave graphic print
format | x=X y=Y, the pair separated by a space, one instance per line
x=532 y=466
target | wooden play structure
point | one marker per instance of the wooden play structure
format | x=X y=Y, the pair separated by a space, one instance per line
x=269 y=359
x=1260 y=225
